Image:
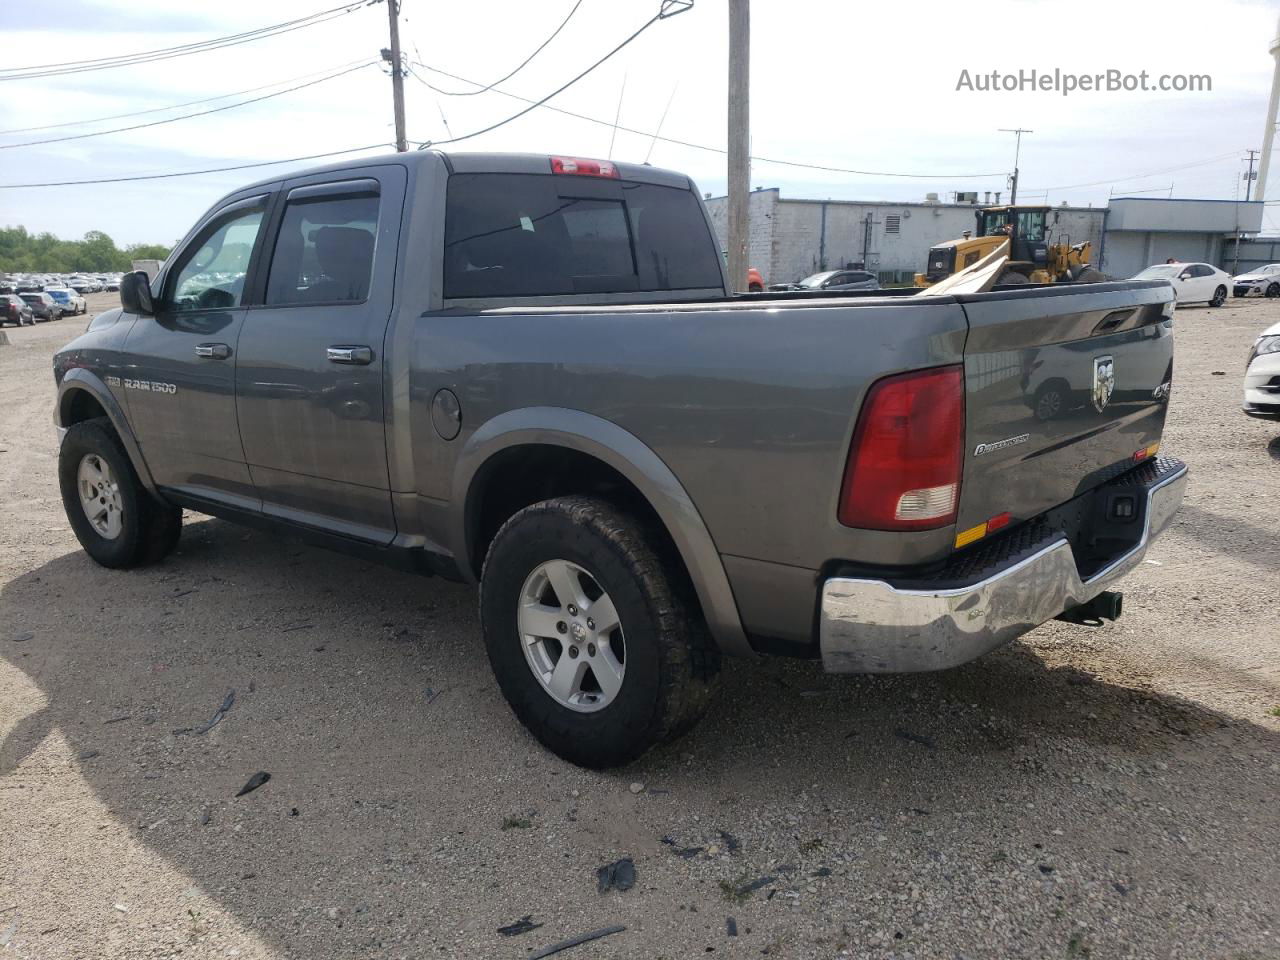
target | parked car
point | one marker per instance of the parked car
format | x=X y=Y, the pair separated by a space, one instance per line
x=857 y=480
x=1262 y=282
x=28 y=285
x=1262 y=376
x=1192 y=282
x=70 y=301
x=833 y=280
x=16 y=311
x=43 y=306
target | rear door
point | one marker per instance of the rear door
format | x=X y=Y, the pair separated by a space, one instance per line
x=1064 y=387
x=310 y=367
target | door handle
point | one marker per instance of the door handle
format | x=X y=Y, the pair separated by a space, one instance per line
x=360 y=356
x=213 y=351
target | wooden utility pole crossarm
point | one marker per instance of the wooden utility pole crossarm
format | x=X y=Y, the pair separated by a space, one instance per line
x=739 y=142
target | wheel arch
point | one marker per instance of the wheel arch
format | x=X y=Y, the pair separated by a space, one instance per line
x=580 y=443
x=83 y=396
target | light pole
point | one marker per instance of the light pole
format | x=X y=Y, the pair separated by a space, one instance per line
x=1017 y=151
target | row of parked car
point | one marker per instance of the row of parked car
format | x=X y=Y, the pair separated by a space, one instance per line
x=79 y=282
x=52 y=303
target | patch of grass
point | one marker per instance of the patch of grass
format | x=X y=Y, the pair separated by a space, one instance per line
x=732 y=890
x=1076 y=946
x=999 y=857
x=516 y=823
x=812 y=845
x=1274 y=711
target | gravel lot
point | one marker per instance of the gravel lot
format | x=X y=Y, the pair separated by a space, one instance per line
x=1101 y=793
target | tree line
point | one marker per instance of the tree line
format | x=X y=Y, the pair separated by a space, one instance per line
x=23 y=252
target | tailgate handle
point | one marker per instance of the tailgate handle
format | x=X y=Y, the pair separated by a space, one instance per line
x=1113 y=320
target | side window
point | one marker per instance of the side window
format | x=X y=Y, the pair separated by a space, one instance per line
x=324 y=252
x=210 y=273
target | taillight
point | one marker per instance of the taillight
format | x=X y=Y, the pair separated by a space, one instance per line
x=584 y=168
x=907 y=453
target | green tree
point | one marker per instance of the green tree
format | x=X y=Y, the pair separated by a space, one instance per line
x=24 y=252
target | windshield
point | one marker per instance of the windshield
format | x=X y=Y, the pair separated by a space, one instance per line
x=1161 y=270
x=810 y=283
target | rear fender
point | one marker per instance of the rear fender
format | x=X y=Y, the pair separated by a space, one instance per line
x=624 y=452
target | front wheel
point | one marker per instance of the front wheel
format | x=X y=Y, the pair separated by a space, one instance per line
x=1219 y=297
x=1273 y=290
x=596 y=643
x=116 y=520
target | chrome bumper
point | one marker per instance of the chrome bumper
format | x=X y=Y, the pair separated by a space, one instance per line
x=869 y=626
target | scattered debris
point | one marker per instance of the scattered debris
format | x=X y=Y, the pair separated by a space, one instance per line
x=657 y=791
x=1120 y=888
x=7 y=934
x=516 y=823
x=122 y=908
x=1218 y=373
x=88 y=754
x=637 y=787
x=523 y=925
x=575 y=941
x=293 y=811
x=1046 y=869
x=182 y=593
x=732 y=844
x=127 y=716
x=786 y=868
x=685 y=853
x=319 y=649
x=749 y=888
x=24 y=637
x=221 y=712
x=206 y=818
x=821 y=872
x=731 y=926
x=296 y=626
x=619 y=875
x=254 y=782
x=915 y=738
x=432 y=694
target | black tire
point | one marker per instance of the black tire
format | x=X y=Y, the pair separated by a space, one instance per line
x=1273 y=290
x=149 y=529
x=1090 y=275
x=1219 y=297
x=671 y=662
x=1012 y=277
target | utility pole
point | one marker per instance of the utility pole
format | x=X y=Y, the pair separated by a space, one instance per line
x=739 y=141
x=1017 y=151
x=392 y=56
x=1248 y=188
x=1269 y=130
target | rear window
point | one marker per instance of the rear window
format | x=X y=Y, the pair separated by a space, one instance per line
x=530 y=235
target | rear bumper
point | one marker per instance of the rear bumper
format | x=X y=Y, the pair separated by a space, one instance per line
x=873 y=626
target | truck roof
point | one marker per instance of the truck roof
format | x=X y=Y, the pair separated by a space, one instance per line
x=480 y=162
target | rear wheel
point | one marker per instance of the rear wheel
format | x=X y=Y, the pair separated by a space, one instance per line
x=115 y=519
x=598 y=647
x=1273 y=290
x=1219 y=297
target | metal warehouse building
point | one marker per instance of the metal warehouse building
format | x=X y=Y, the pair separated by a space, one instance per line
x=792 y=238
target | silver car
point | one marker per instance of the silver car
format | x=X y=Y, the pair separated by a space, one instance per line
x=837 y=280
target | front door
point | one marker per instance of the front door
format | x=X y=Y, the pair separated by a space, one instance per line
x=309 y=372
x=180 y=382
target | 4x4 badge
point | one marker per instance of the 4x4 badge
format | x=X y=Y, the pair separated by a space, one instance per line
x=1104 y=381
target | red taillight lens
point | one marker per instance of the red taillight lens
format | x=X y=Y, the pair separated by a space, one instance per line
x=904 y=464
x=584 y=168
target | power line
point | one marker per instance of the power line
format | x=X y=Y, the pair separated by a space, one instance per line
x=1143 y=176
x=183 y=50
x=668 y=8
x=697 y=146
x=524 y=63
x=192 y=173
x=188 y=116
x=176 y=106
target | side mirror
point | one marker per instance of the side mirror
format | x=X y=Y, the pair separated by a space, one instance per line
x=135 y=294
x=1184 y=276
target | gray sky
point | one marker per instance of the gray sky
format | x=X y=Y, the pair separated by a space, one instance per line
x=855 y=85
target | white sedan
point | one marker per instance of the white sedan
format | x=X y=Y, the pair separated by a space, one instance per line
x=1262 y=376
x=1192 y=282
x=1263 y=282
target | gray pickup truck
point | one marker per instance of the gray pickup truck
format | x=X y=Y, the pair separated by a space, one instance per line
x=526 y=372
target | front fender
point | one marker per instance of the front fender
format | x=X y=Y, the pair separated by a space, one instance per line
x=626 y=453
x=80 y=379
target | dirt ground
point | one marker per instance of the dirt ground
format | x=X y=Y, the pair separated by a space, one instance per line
x=1102 y=793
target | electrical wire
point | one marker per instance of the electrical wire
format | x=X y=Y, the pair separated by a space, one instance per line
x=193 y=173
x=178 y=106
x=680 y=6
x=188 y=116
x=1143 y=176
x=183 y=50
x=524 y=63
x=688 y=143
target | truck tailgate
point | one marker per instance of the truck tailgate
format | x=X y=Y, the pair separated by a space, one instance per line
x=1064 y=387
